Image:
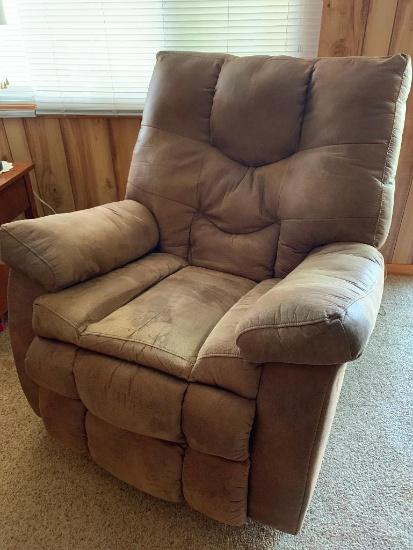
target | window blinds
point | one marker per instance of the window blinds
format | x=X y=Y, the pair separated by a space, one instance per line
x=13 y=64
x=97 y=56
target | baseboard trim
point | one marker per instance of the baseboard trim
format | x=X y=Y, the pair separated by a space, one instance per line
x=399 y=269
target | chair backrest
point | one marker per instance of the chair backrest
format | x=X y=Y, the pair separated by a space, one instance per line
x=248 y=163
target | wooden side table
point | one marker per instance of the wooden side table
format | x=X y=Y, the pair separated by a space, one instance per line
x=16 y=197
x=16 y=194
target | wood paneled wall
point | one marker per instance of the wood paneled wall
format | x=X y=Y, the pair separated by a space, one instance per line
x=379 y=27
x=79 y=161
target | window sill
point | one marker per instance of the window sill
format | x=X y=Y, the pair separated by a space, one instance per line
x=30 y=110
x=17 y=110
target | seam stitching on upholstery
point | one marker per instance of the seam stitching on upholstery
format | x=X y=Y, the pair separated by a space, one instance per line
x=184 y=436
x=116 y=226
x=347 y=338
x=324 y=219
x=222 y=354
x=261 y=165
x=345 y=310
x=387 y=153
x=205 y=143
x=189 y=258
x=102 y=211
x=290 y=349
x=300 y=252
x=373 y=284
x=197 y=448
x=161 y=196
x=62 y=317
x=394 y=121
x=151 y=163
x=28 y=247
x=382 y=142
x=307 y=91
x=286 y=175
x=174 y=133
x=93 y=333
x=213 y=97
x=321 y=254
x=73 y=369
x=338 y=316
x=232 y=233
x=312 y=447
x=291 y=324
x=189 y=255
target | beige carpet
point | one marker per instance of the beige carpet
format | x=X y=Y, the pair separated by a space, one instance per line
x=53 y=499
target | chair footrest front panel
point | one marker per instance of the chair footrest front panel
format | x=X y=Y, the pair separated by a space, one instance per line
x=149 y=464
x=180 y=440
x=165 y=436
x=130 y=396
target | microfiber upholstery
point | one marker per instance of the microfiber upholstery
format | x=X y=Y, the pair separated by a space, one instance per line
x=193 y=338
x=59 y=251
x=249 y=163
x=151 y=429
x=321 y=313
x=162 y=328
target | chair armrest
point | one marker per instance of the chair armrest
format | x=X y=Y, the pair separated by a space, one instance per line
x=322 y=313
x=65 y=249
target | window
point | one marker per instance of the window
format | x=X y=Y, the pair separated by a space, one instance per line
x=13 y=63
x=97 y=56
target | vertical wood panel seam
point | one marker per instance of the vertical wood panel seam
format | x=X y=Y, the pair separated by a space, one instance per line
x=27 y=138
x=393 y=27
x=366 y=18
x=399 y=226
x=8 y=142
x=112 y=147
x=394 y=246
x=19 y=138
x=69 y=171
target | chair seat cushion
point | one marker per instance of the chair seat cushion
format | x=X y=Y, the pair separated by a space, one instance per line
x=220 y=362
x=71 y=310
x=162 y=327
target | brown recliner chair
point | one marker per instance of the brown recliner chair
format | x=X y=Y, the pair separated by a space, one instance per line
x=193 y=338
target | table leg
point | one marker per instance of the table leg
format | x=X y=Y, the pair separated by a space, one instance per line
x=30 y=212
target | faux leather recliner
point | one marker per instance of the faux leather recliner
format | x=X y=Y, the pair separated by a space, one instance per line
x=192 y=339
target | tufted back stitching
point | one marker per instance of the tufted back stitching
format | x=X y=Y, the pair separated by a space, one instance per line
x=291 y=158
